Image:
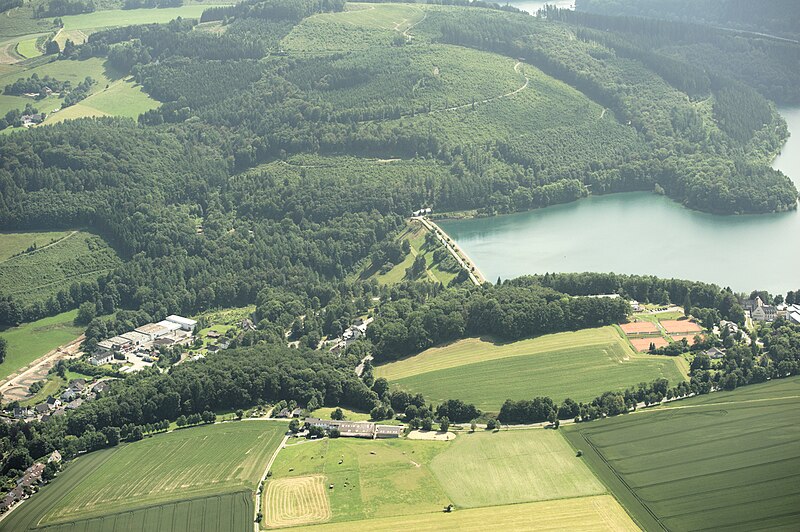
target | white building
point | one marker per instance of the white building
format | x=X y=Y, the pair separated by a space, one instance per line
x=185 y=323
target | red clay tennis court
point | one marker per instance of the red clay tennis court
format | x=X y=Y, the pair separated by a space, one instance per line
x=680 y=326
x=639 y=327
x=643 y=344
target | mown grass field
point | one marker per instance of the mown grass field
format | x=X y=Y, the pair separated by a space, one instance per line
x=388 y=482
x=377 y=478
x=727 y=460
x=579 y=365
x=158 y=479
x=600 y=513
x=36 y=276
x=28 y=48
x=30 y=341
x=512 y=466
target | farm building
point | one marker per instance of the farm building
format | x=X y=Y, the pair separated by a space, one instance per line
x=357 y=429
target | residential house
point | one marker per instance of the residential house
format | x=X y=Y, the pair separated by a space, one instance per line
x=715 y=353
x=41 y=409
x=101 y=358
x=54 y=457
x=53 y=402
x=765 y=313
x=21 y=412
x=72 y=405
x=213 y=334
x=296 y=412
x=69 y=394
x=78 y=384
x=101 y=387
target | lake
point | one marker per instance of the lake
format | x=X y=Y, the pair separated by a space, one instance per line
x=644 y=233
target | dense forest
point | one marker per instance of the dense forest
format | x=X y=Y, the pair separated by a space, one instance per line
x=778 y=17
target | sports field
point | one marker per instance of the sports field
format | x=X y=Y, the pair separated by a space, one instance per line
x=30 y=341
x=727 y=460
x=579 y=365
x=185 y=464
x=40 y=274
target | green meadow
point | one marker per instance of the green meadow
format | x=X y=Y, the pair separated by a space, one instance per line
x=580 y=365
x=724 y=460
x=30 y=341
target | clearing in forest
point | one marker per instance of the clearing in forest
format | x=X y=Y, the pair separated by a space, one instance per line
x=296 y=501
x=579 y=365
x=724 y=460
x=36 y=275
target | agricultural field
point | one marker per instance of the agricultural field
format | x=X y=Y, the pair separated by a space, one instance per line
x=579 y=365
x=40 y=274
x=389 y=480
x=30 y=341
x=376 y=478
x=508 y=467
x=600 y=513
x=220 y=460
x=724 y=460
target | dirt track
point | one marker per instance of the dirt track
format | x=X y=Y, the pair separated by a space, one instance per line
x=15 y=386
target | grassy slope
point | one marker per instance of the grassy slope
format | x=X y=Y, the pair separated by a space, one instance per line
x=579 y=365
x=507 y=467
x=37 y=276
x=415 y=234
x=721 y=460
x=189 y=463
x=111 y=95
x=17 y=242
x=29 y=341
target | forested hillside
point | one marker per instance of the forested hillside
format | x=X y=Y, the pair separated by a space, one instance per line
x=777 y=17
x=208 y=195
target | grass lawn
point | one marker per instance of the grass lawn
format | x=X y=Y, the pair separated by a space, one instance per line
x=38 y=275
x=579 y=365
x=30 y=341
x=28 y=48
x=512 y=466
x=724 y=460
x=196 y=462
x=349 y=415
x=598 y=513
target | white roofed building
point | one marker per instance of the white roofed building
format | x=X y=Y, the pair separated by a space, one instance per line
x=186 y=324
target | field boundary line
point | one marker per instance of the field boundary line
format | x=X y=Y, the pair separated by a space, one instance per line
x=259 y=489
